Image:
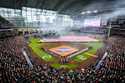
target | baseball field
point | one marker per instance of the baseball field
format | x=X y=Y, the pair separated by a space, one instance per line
x=57 y=49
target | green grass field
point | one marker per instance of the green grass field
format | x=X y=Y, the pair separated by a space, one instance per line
x=36 y=48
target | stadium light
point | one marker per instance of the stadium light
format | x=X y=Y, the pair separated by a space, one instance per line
x=83 y=13
x=88 y=12
x=95 y=11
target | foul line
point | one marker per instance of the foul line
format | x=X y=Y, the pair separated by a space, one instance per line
x=91 y=55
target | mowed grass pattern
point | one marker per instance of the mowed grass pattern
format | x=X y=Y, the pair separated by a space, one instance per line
x=35 y=45
x=86 y=55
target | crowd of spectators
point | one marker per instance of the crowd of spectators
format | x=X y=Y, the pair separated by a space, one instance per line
x=13 y=65
x=14 y=68
x=113 y=66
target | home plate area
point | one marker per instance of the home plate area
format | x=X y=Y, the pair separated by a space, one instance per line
x=64 y=51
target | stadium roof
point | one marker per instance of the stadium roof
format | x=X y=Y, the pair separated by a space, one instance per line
x=71 y=7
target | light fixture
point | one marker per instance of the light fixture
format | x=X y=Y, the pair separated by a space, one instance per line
x=83 y=13
x=88 y=12
x=95 y=11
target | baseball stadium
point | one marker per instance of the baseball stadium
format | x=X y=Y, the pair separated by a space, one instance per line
x=62 y=41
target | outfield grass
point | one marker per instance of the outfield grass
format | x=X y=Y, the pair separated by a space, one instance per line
x=35 y=45
x=86 y=55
